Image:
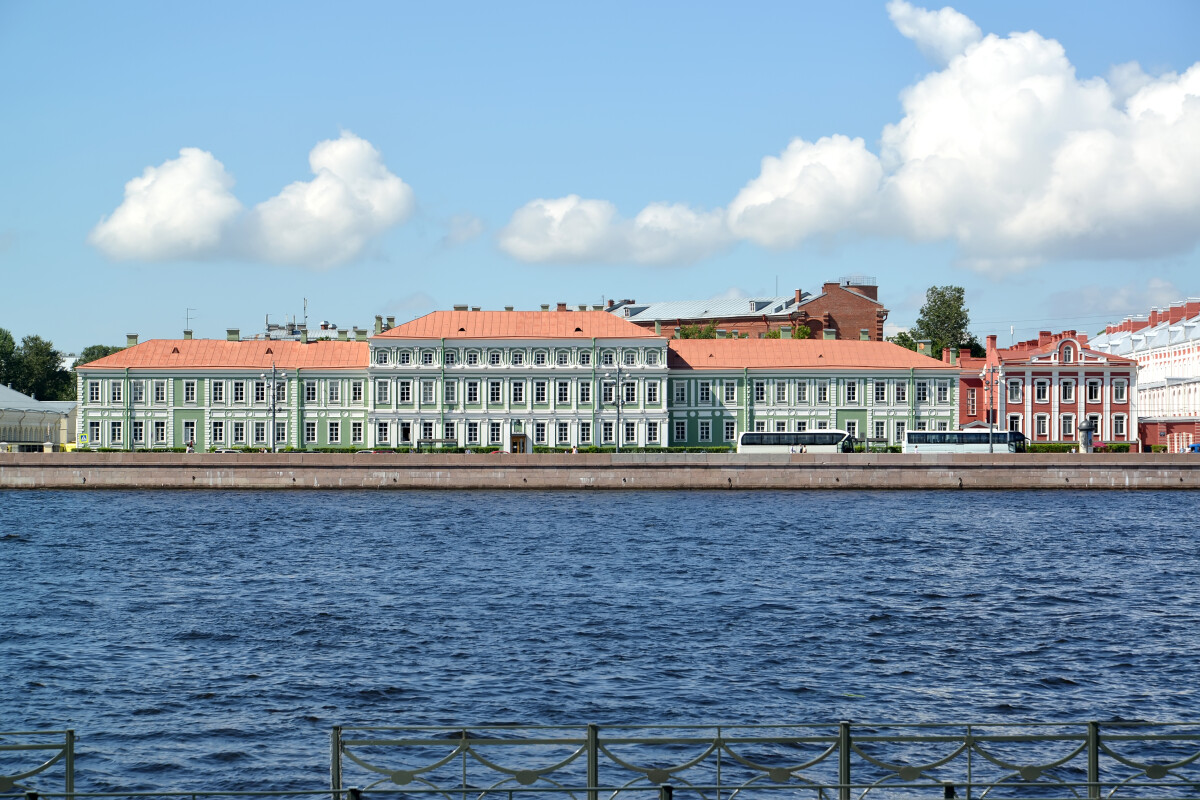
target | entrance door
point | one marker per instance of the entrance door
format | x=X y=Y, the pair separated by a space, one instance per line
x=517 y=444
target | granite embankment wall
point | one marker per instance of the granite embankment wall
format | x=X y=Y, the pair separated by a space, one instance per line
x=624 y=471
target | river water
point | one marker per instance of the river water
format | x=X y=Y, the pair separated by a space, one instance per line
x=190 y=636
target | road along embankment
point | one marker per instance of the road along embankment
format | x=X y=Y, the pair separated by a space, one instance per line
x=86 y=470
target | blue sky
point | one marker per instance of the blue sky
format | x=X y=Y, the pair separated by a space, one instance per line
x=519 y=154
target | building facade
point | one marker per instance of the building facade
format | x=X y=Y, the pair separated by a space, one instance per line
x=31 y=425
x=1166 y=346
x=1046 y=387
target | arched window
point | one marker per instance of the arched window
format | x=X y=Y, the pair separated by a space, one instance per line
x=1068 y=354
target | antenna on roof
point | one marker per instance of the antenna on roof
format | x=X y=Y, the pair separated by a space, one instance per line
x=306 y=312
x=187 y=319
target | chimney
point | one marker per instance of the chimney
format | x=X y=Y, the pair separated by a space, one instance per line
x=946 y=355
x=864 y=335
x=582 y=306
x=991 y=345
x=785 y=332
x=676 y=332
x=304 y=336
x=925 y=347
x=720 y=333
x=391 y=323
x=233 y=335
x=342 y=334
x=187 y=335
x=508 y=308
x=954 y=356
x=1176 y=312
x=799 y=296
x=378 y=324
x=130 y=339
x=360 y=335
x=733 y=334
x=598 y=308
x=1193 y=307
x=610 y=303
x=545 y=306
x=658 y=327
x=561 y=307
x=829 y=333
x=460 y=307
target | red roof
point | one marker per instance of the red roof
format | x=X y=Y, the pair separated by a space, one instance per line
x=518 y=325
x=250 y=354
x=794 y=353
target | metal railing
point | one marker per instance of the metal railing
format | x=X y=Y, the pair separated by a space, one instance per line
x=16 y=744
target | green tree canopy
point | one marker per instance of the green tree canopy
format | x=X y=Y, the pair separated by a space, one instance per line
x=709 y=331
x=8 y=362
x=39 y=371
x=95 y=352
x=944 y=320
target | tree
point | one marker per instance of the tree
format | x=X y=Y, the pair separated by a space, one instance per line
x=39 y=371
x=709 y=331
x=944 y=320
x=8 y=362
x=95 y=352
x=802 y=332
x=773 y=334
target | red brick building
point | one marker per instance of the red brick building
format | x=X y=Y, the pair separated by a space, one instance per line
x=848 y=308
x=1046 y=387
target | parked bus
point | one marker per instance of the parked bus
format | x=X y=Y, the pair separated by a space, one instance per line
x=974 y=441
x=818 y=441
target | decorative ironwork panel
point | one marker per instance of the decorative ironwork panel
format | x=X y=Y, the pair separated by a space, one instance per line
x=25 y=755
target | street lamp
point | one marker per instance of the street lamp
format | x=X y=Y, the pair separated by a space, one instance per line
x=617 y=399
x=275 y=378
x=991 y=375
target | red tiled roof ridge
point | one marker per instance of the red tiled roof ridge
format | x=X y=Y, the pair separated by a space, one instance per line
x=795 y=353
x=518 y=325
x=245 y=354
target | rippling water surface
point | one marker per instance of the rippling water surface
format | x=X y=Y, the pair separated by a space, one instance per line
x=192 y=636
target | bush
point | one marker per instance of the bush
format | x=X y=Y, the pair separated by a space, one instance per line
x=1113 y=448
x=1053 y=447
x=541 y=449
x=1158 y=448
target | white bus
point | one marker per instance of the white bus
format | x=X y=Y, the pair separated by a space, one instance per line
x=975 y=441
x=818 y=441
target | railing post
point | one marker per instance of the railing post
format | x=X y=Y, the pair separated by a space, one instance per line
x=69 y=766
x=593 y=760
x=31 y=794
x=355 y=793
x=335 y=761
x=844 y=760
x=1093 y=759
x=665 y=792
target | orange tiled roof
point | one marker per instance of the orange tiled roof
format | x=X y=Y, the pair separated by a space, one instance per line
x=794 y=353
x=249 y=354
x=518 y=325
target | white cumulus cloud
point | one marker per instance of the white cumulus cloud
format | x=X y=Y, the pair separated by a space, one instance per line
x=939 y=35
x=185 y=209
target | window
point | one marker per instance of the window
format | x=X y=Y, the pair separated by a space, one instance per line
x=356 y=391
x=606 y=358
x=852 y=392
x=801 y=425
x=403 y=393
x=899 y=427
x=631 y=393
x=901 y=392
x=494 y=433
x=260 y=432
x=473 y=393
x=1118 y=426
x=880 y=430
x=239 y=391
x=381 y=356
x=1041 y=391
x=730 y=392
x=852 y=428
x=472 y=433
x=518 y=392
x=1093 y=391
x=472 y=358
x=310 y=432
x=426 y=430
x=943 y=391
x=450 y=357
x=494 y=358
x=114 y=432
x=450 y=392
x=705 y=392
x=585 y=433
x=561 y=358
x=334 y=432
x=539 y=359
x=760 y=425
x=781 y=393
x=680 y=430
x=310 y=391
x=356 y=432
x=630 y=357
x=652 y=392
x=564 y=392
x=281 y=392
x=1068 y=354
x=780 y=426
x=381 y=391
x=564 y=432
x=1095 y=420
x=1118 y=390
x=160 y=432
x=218 y=431
x=970 y=401
x=334 y=390
x=426 y=392
x=518 y=358
x=1014 y=391
x=606 y=432
x=494 y=391
x=585 y=358
x=448 y=431
x=160 y=391
x=218 y=391
x=630 y=433
x=943 y=425
x=922 y=425
x=822 y=393
x=1014 y=422
x=1068 y=425
x=1068 y=391
x=652 y=360
x=922 y=392
x=381 y=433
x=760 y=391
x=680 y=393
x=239 y=433
x=880 y=395
x=280 y=433
x=539 y=391
x=137 y=392
x=93 y=391
x=585 y=392
x=94 y=434
x=260 y=391
x=404 y=358
x=427 y=357
x=1041 y=424
x=138 y=433
x=730 y=430
x=802 y=392
x=652 y=429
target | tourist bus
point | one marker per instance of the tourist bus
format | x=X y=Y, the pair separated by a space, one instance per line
x=973 y=441
x=818 y=441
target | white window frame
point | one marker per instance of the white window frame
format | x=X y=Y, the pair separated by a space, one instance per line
x=730 y=430
x=705 y=394
x=681 y=430
x=160 y=432
x=652 y=427
x=1041 y=391
x=705 y=430
x=585 y=432
x=310 y=432
x=333 y=431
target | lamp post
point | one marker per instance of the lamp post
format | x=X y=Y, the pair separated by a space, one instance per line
x=275 y=377
x=991 y=375
x=617 y=400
